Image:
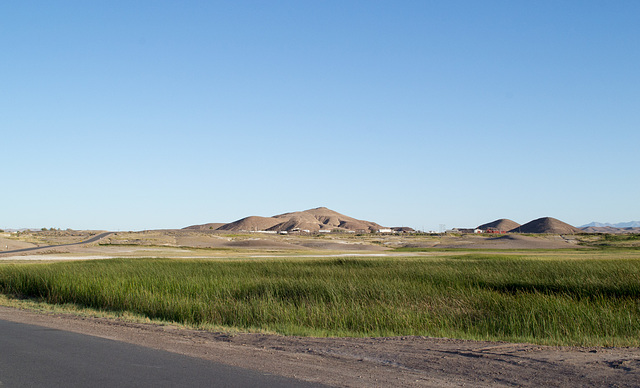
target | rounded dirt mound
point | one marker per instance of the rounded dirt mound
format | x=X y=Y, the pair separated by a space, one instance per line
x=502 y=224
x=546 y=225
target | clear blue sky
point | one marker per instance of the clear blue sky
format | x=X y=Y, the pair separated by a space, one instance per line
x=126 y=115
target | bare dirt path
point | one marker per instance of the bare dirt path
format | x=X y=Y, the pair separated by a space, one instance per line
x=372 y=362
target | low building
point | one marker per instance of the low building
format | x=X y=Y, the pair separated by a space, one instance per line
x=465 y=230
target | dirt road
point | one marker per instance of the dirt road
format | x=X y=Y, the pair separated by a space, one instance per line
x=372 y=362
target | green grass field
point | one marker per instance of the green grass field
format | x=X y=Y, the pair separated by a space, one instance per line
x=566 y=299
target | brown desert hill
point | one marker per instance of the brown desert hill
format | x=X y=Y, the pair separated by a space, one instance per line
x=609 y=230
x=546 y=225
x=252 y=223
x=502 y=224
x=403 y=229
x=210 y=226
x=312 y=220
x=601 y=229
x=322 y=218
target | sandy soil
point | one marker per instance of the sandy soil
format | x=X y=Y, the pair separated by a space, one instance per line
x=194 y=243
x=7 y=244
x=509 y=242
x=372 y=362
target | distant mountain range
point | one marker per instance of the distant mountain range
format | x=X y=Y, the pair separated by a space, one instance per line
x=630 y=224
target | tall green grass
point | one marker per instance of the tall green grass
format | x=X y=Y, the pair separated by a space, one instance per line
x=592 y=301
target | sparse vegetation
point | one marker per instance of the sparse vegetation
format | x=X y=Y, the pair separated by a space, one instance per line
x=589 y=299
x=606 y=240
x=621 y=237
x=51 y=236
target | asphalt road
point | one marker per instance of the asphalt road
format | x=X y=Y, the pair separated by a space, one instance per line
x=92 y=239
x=34 y=356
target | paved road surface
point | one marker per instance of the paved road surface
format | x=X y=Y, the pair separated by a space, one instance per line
x=35 y=356
x=92 y=239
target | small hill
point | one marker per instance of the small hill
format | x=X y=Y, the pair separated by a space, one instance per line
x=609 y=230
x=630 y=224
x=600 y=229
x=502 y=224
x=403 y=229
x=210 y=226
x=546 y=225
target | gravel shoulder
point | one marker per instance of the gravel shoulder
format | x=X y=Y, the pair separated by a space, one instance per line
x=371 y=362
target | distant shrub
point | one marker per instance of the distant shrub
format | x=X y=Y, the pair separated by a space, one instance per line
x=621 y=237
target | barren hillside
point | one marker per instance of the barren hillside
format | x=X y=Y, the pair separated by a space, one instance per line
x=609 y=229
x=252 y=223
x=311 y=220
x=502 y=224
x=547 y=225
x=210 y=226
